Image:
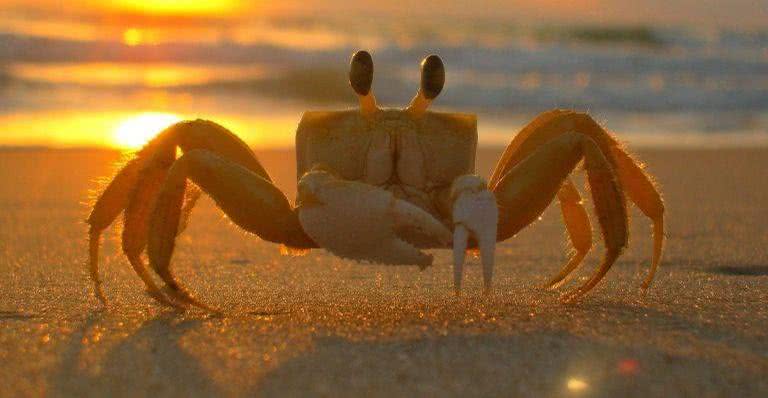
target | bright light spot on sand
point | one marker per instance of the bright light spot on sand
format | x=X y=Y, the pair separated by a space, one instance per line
x=576 y=385
x=138 y=130
x=628 y=366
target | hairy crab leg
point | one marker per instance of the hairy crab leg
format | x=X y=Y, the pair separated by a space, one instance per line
x=134 y=237
x=575 y=217
x=579 y=230
x=108 y=206
x=642 y=191
x=526 y=190
x=475 y=214
x=191 y=197
x=611 y=210
x=137 y=180
x=136 y=224
x=110 y=203
x=638 y=185
x=249 y=200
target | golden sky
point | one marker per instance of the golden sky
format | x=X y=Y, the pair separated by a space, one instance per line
x=94 y=18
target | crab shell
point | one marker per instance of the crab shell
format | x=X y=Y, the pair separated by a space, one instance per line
x=416 y=159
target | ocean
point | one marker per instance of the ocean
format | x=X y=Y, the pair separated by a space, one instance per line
x=654 y=86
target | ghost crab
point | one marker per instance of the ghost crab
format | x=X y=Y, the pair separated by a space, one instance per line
x=379 y=185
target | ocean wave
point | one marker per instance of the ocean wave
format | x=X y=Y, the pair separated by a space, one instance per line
x=641 y=35
x=639 y=69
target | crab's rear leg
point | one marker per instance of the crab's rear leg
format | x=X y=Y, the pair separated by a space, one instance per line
x=134 y=189
x=136 y=215
x=525 y=191
x=112 y=201
x=248 y=199
x=537 y=133
x=578 y=227
x=642 y=191
x=638 y=185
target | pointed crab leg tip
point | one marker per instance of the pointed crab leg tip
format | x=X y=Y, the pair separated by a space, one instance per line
x=94 y=242
x=196 y=303
x=555 y=284
x=658 y=248
x=159 y=298
x=647 y=284
x=102 y=298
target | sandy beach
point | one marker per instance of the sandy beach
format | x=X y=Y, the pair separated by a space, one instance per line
x=320 y=326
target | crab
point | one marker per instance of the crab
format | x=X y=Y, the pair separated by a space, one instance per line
x=381 y=185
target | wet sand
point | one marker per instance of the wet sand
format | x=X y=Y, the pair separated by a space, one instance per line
x=320 y=326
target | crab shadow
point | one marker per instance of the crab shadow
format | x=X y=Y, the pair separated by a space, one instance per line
x=542 y=364
x=149 y=362
x=539 y=362
x=740 y=270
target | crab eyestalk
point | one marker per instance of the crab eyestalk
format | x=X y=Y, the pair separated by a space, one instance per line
x=361 y=79
x=432 y=81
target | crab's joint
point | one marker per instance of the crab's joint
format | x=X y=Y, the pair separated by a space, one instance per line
x=361 y=80
x=432 y=82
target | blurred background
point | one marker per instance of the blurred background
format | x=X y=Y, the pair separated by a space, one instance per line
x=110 y=74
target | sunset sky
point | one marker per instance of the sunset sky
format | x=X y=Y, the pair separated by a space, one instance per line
x=211 y=19
x=119 y=71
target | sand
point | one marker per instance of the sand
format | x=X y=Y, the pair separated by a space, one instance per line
x=320 y=326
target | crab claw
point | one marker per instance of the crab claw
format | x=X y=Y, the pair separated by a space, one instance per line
x=362 y=222
x=475 y=216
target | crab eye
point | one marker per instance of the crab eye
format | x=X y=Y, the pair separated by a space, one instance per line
x=361 y=72
x=432 y=76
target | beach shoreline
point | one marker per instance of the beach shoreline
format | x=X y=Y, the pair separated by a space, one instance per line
x=317 y=325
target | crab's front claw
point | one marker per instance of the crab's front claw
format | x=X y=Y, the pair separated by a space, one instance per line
x=362 y=222
x=475 y=216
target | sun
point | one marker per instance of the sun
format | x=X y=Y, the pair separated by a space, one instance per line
x=175 y=7
x=137 y=130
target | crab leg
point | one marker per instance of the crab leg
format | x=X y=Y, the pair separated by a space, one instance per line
x=134 y=237
x=642 y=191
x=579 y=230
x=610 y=207
x=135 y=187
x=109 y=205
x=248 y=199
x=525 y=191
x=475 y=214
x=542 y=129
x=639 y=186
